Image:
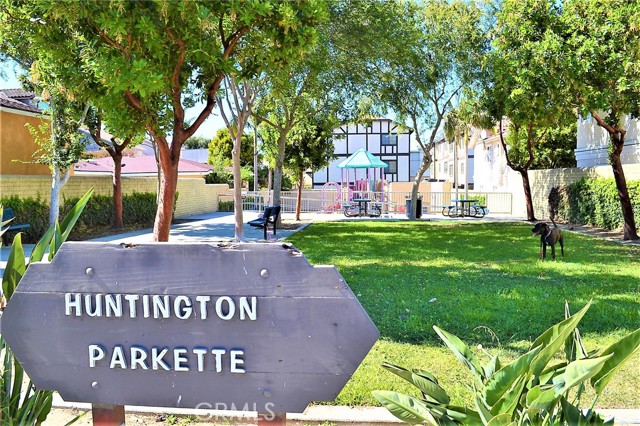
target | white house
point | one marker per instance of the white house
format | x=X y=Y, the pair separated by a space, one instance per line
x=382 y=137
x=593 y=143
x=444 y=162
x=491 y=172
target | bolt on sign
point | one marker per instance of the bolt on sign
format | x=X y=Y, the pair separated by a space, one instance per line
x=252 y=326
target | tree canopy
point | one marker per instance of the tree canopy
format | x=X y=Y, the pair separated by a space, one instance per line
x=220 y=148
x=159 y=57
x=432 y=51
x=598 y=61
x=197 y=142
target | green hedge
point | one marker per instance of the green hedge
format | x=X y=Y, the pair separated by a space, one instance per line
x=595 y=202
x=33 y=211
x=138 y=209
x=225 y=206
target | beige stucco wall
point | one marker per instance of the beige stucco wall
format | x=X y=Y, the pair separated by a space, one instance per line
x=17 y=145
x=195 y=196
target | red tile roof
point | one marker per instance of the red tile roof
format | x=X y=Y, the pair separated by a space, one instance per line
x=145 y=164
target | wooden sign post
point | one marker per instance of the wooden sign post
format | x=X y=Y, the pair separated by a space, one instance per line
x=251 y=327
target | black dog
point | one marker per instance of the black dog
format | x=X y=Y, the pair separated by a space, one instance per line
x=549 y=236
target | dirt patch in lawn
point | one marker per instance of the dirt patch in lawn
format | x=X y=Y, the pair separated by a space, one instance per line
x=615 y=235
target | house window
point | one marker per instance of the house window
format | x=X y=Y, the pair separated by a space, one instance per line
x=392 y=167
x=389 y=139
x=450 y=169
x=461 y=168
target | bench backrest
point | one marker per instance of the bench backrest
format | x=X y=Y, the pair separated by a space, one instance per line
x=271 y=212
x=7 y=214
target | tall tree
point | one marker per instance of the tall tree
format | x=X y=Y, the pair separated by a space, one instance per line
x=197 y=142
x=556 y=149
x=132 y=134
x=598 y=60
x=326 y=81
x=311 y=148
x=61 y=145
x=240 y=95
x=161 y=56
x=432 y=54
x=517 y=87
x=221 y=146
x=458 y=126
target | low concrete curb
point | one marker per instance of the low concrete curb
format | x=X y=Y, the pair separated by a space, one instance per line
x=317 y=414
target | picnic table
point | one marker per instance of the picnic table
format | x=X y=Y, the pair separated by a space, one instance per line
x=362 y=209
x=464 y=208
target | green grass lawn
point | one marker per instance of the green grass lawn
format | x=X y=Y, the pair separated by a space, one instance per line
x=482 y=282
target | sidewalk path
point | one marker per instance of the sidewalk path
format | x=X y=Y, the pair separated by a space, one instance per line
x=205 y=228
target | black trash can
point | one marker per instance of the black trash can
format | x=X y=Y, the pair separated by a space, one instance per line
x=419 y=209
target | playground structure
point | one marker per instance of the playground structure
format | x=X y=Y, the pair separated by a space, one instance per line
x=365 y=187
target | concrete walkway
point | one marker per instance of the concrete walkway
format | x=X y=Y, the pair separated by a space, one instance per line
x=204 y=228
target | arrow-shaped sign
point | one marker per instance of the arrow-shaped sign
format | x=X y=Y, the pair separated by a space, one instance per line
x=239 y=326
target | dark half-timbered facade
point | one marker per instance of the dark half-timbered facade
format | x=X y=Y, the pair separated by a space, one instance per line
x=382 y=137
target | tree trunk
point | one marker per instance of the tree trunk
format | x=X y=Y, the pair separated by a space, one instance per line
x=527 y=194
x=166 y=200
x=299 y=200
x=269 y=185
x=237 y=186
x=629 y=228
x=54 y=205
x=466 y=165
x=426 y=162
x=455 y=167
x=156 y=154
x=117 y=189
x=255 y=159
x=279 y=170
x=58 y=180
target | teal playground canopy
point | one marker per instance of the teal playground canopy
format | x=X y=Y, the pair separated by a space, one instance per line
x=362 y=159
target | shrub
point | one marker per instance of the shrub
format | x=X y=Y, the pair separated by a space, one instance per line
x=138 y=209
x=555 y=197
x=532 y=390
x=33 y=211
x=594 y=202
x=219 y=177
x=225 y=206
x=482 y=198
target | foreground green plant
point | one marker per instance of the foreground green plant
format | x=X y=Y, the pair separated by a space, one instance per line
x=31 y=406
x=527 y=391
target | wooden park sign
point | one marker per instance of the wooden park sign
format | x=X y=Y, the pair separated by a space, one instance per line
x=239 y=326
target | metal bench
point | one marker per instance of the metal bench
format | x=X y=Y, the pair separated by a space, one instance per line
x=9 y=215
x=270 y=215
